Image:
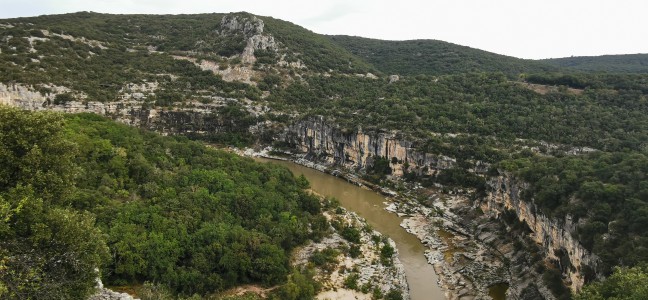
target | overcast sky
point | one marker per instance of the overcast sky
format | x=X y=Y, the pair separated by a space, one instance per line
x=521 y=28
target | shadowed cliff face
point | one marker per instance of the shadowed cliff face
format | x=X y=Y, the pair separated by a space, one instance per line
x=554 y=235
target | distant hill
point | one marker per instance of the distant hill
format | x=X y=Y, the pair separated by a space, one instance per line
x=317 y=51
x=434 y=57
x=626 y=63
x=196 y=33
x=97 y=55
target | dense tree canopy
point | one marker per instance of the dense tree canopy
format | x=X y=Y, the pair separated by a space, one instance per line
x=625 y=283
x=47 y=250
x=432 y=57
x=169 y=210
x=194 y=220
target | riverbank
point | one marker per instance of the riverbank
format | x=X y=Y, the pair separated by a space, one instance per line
x=358 y=270
x=370 y=206
x=469 y=252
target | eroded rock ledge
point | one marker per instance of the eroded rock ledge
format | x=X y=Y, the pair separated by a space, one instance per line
x=554 y=235
x=356 y=150
x=329 y=147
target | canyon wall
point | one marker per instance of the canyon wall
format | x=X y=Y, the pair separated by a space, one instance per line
x=194 y=117
x=327 y=143
x=554 y=235
x=357 y=150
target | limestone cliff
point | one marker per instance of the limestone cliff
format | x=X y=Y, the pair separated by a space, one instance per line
x=358 y=149
x=194 y=117
x=554 y=235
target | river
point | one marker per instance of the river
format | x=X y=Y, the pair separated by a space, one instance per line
x=370 y=205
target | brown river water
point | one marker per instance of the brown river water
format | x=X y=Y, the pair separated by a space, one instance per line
x=370 y=205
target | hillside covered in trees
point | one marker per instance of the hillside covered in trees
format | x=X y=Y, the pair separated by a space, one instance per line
x=432 y=57
x=169 y=210
x=627 y=63
x=81 y=193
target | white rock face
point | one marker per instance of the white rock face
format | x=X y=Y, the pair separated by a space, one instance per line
x=240 y=73
x=28 y=98
x=252 y=29
x=197 y=115
x=103 y=293
x=25 y=97
x=552 y=234
x=359 y=149
x=106 y=294
x=138 y=91
x=238 y=23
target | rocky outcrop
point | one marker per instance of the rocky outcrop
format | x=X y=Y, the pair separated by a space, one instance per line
x=193 y=118
x=243 y=73
x=91 y=43
x=103 y=293
x=369 y=267
x=359 y=149
x=241 y=23
x=106 y=294
x=133 y=91
x=554 y=235
x=28 y=98
x=231 y=73
x=251 y=28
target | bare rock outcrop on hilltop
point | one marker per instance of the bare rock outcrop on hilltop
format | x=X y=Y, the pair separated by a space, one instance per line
x=251 y=28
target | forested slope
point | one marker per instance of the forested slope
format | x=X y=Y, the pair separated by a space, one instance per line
x=628 y=63
x=195 y=220
x=432 y=57
x=167 y=210
x=96 y=55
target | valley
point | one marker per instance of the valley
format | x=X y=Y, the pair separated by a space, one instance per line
x=502 y=178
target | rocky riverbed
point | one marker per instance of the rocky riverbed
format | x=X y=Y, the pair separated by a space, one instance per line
x=471 y=252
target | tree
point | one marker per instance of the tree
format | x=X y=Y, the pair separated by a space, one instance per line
x=624 y=283
x=33 y=152
x=386 y=253
x=300 y=286
x=47 y=251
x=394 y=295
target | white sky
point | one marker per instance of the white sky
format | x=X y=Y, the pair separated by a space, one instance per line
x=521 y=28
